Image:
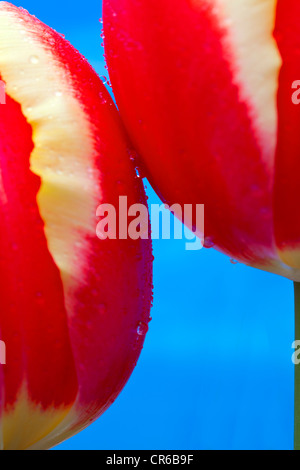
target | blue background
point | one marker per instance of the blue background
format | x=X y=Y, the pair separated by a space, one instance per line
x=216 y=370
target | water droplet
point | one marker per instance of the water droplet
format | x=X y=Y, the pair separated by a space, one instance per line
x=208 y=242
x=234 y=261
x=103 y=79
x=102 y=98
x=142 y=329
x=33 y=59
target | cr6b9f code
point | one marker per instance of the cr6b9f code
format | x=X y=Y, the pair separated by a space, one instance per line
x=160 y=459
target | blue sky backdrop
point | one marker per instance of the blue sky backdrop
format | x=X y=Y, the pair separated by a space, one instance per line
x=216 y=370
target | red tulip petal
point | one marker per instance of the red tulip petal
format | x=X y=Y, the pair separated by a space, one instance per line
x=32 y=311
x=196 y=84
x=287 y=194
x=70 y=303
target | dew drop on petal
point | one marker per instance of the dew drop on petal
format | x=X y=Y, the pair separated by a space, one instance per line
x=208 y=242
x=142 y=329
x=33 y=59
x=103 y=79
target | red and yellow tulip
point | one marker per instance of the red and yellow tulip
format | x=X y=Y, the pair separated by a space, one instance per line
x=204 y=88
x=70 y=303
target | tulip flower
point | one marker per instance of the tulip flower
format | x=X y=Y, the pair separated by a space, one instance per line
x=208 y=93
x=74 y=308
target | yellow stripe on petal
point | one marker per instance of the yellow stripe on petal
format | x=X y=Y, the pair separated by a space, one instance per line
x=63 y=151
x=280 y=267
x=26 y=423
x=291 y=257
x=255 y=62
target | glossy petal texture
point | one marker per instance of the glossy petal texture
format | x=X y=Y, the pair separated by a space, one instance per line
x=70 y=304
x=197 y=85
x=287 y=178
